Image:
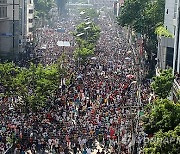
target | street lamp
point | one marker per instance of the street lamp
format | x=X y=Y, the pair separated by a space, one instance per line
x=87 y=23
x=78 y=35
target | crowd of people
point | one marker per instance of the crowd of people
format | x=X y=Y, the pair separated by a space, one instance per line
x=97 y=113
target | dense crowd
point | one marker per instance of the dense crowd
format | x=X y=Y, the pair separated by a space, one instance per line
x=99 y=108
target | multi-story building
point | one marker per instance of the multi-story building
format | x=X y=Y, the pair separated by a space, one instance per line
x=166 y=44
x=16 y=26
x=169 y=47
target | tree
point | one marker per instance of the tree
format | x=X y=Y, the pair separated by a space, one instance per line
x=91 y=32
x=131 y=12
x=163 y=83
x=61 y=6
x=164 y=115
x=8 y=71
x=43 y=7
x=35 y=85
x=143 y=16
x=83 y=53
x=168 y=142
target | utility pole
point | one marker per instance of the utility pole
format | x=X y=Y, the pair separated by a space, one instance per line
x=13 y=26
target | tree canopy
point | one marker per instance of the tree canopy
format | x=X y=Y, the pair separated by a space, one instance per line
x=61 y=5
x=163 y=83
x=144 y=16
x=167 y=142
x=43 y=7
x=34 y=85
x=90 y=31
x=164 y=115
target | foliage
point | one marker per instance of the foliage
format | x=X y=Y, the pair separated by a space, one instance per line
x=162 y=31
x=167 y=142
x=61 y=5
x=91 y=35
x=36 y=84
x=163 y=83
x=43 y=7
x=83 y=53
x=164 y=115
x=144 y=16
x=131 y=12
x=84 y=44
x=8 y=71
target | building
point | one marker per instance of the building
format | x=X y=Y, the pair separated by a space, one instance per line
x=166 y=44
x=16 y=26
x=169 y=47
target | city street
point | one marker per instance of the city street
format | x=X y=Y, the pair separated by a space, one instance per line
x=99 y=111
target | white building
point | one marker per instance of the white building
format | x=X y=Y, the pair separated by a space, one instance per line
x=169 y=48
x=166 y=45
x=16 y=25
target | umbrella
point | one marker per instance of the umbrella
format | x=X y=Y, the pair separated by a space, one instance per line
x=127 y=58
x=93 y=58
x=79 y=77
x=129 y=52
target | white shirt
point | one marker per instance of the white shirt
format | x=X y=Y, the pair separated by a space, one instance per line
x=88 y=151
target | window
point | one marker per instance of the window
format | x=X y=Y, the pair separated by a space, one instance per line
x=167 y=11
x=30 y=20
x=30 y=11
x=175 y=8
x=174 y=30
x=3 y=12
x=30 y=1
x=30 y=29
x=169 y=57
x=3 y=1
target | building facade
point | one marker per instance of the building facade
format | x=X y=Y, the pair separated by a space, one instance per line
x=16 y=25
x=166 y=44
x=169 y=48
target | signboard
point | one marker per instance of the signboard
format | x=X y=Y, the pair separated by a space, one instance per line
x=6 y=34
x=63 y=43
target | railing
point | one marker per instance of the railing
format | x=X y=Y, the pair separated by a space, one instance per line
x=176 y=85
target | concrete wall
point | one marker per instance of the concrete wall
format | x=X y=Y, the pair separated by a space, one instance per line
x=6 y=42
x=169 y=15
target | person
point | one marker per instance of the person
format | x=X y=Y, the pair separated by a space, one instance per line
x=88 y=150
x=102 y=151
x=74 y=148
x=84 y=151
x=98 y=152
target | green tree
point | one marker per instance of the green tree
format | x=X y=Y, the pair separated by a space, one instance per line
x=164 y=143
x=144 y=16
x=163 y=115
x=163 y=83
x=61 y=6
x=83 y=54
x=36 y=84
x=8 y=71
x=91 y=32
x=43 y=7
